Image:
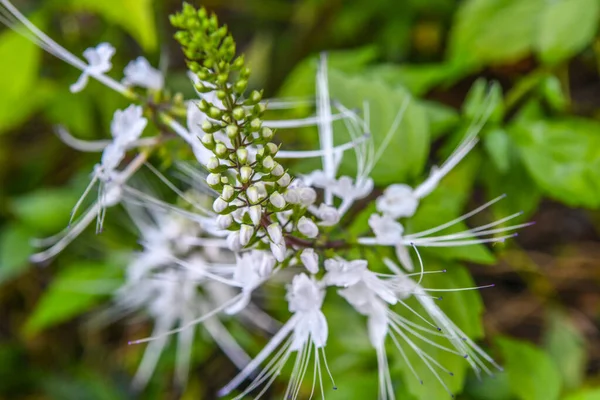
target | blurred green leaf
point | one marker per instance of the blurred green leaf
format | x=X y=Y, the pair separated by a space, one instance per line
x=497 y=145
x=563 y=157
x=553 y=93
x=566 y=27
x=494 y=387
x=15 y=249
x=135 y=16
x=74 y=290
x=531 y=372
x=585 y=394
x=484 y=101
x=406 y=153
x=18 y=77
x=566 y=346
x=488 y=31
x=46 y=210
x=441 y=118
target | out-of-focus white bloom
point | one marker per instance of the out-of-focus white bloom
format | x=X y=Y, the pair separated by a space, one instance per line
x=279 y=250
x=328 y=215
x=397 y=201
x=140 y=73
x=348 y=273
x=305 y=333
x=98 y=59
x=127 y=125
x=310 y=260
x=252 y=269
x=307 y=227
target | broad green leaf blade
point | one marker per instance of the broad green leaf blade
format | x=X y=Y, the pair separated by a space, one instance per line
x=15 y=249
x=19 y=72
x=406 y=153
x=490 y=31
x=497 y=145
x=45 y=210
x=531 y=372
x=464 y=309
x=585 y=394
x=135 y=16
x=566 y=346
x=566 y=27
x=74 y=290
x=563 y=157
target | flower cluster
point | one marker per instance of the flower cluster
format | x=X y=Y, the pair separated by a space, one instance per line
x=199 y=263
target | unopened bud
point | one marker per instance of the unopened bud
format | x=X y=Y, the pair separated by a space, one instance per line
x=231 y=131
x=266 y=133
x=228 y=192
x=220 y=150
x=215 y=113
x=219 y=205
x=268 y=163
x=238 y=113
x=310 y=259
x=255 y=125
x=272 y=148
x=307 y=227
x=212 y=164
x=278 y=170
x=285 y=180
x=246 y=232
x=255 y=213
x=275 y=232
x=252 y=194
x=213 y=179
x=208 y=140
x=224 y=221
x=242 y=155
x=277 y=200
x=245 y=174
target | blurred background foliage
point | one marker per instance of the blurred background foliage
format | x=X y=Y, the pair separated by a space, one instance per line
x=541 y=147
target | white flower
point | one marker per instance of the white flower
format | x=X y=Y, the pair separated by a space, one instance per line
x=278 y=249
x=345 y=189
x=127 y=125
x=306 y=196
x=98 y=63
x=252 y=269
x=277 y=200
x=140 y=73
x=220 y=205
x=275 y=232
x=310 y=259
x=398 y=201
x=233 y=241
x=305 y=333
x=386 y=230
x=307 y=227
x=328 y=215
x=224 y=221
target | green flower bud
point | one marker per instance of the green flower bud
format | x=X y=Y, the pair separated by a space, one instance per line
x=228 y=192
x=238 y=113
x=208 y=141
x=255 y=125
x=215 y=113
x=220 y=150
x=266 y=133
x=242 y=155
x=213 y=163
x=272 y=148
x=245 y=174
x=231 y=131
x=268 y=163
x=240 y=85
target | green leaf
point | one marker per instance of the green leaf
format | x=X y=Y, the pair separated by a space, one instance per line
x=553 y=93
x=74 y=290
x=135 y=16
x=15 y=249
x=490 y=31
x=484 y=100
x=18 y=77
x=301 y=81
x=566 y=27
x=441 y=118
x=563 y=157
x=46 y=210
x=447 y=202
x=497 y=144
x=566 y=346
x=406 y=153
x=531 y=372
x=464 y=309
x=586 y=394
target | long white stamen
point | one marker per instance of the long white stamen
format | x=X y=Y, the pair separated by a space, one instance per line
x=189 y=324
x=275 y=341
x=456 y=220
x=320 y=153
x=93 y=146
x=324 y=122
x=79 y=226
x=424 y=243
